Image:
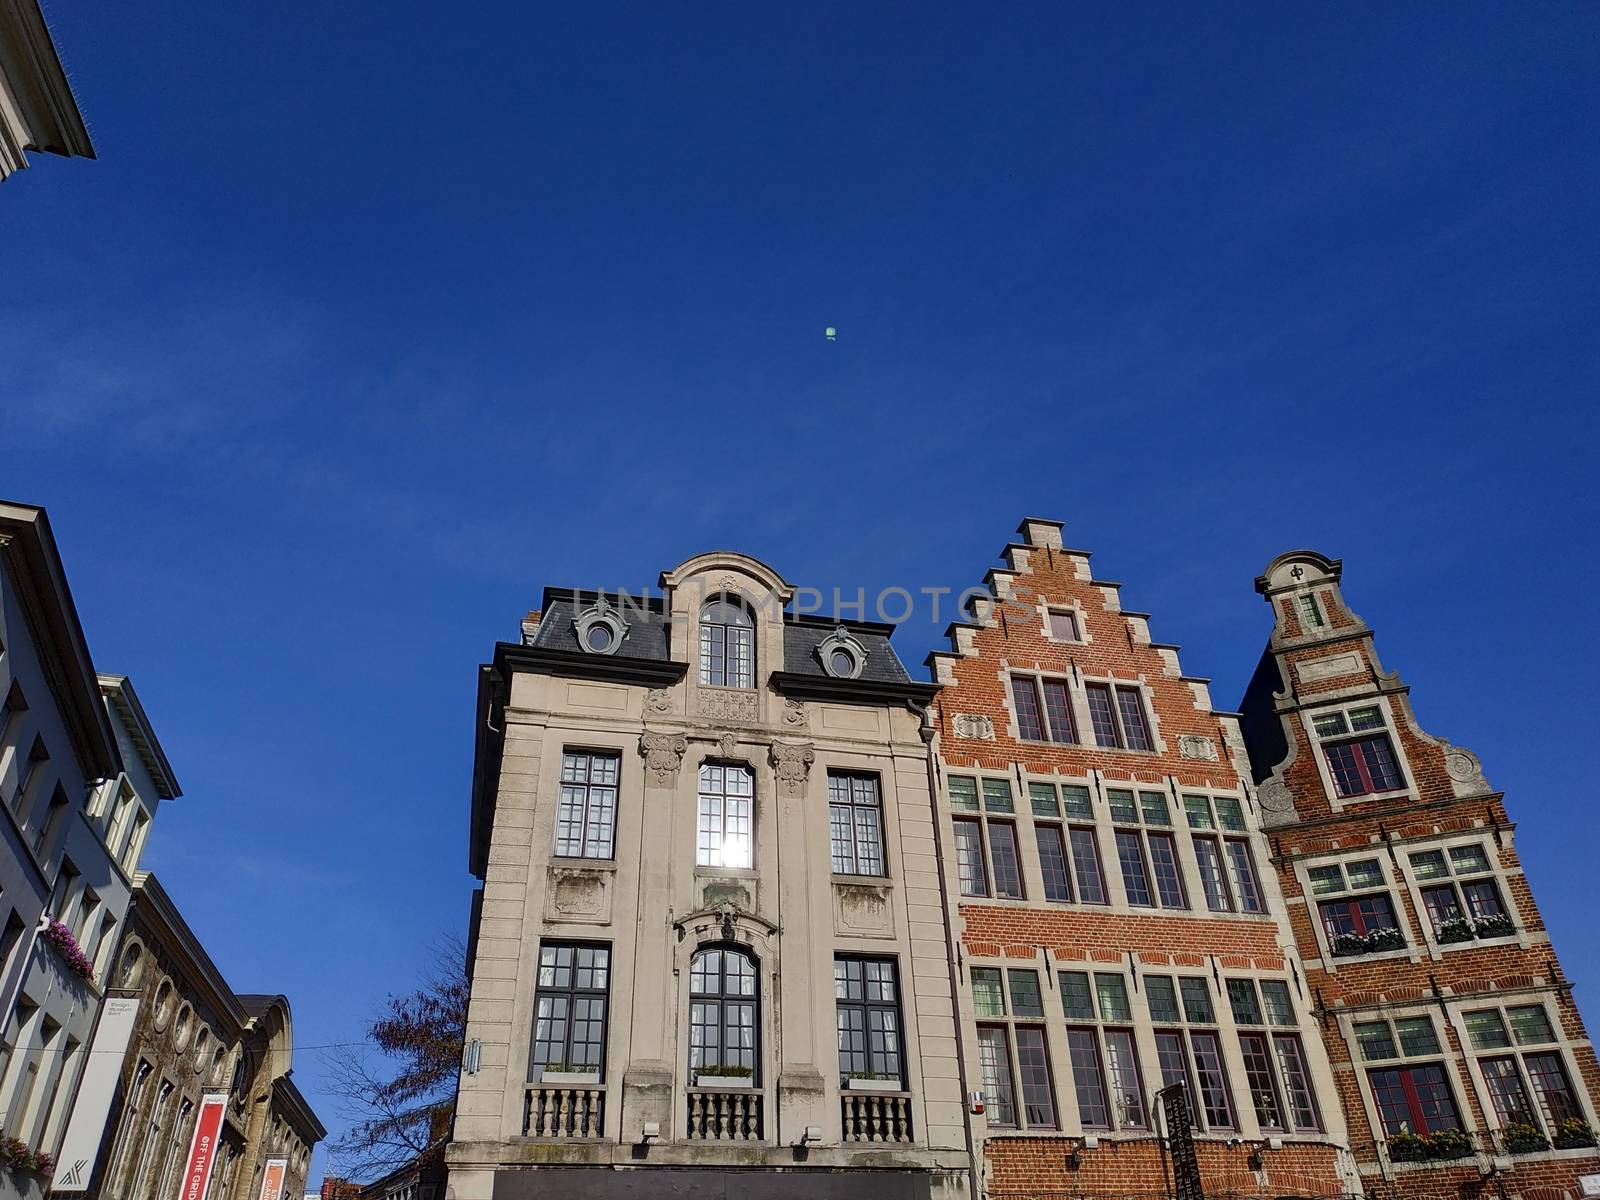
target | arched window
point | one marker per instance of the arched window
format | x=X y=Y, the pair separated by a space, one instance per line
x=723 y=1010
x=727 y=644
x=726 y=822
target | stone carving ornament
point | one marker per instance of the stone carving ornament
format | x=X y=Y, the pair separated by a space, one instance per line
x=973 y=725
x=663 y=755
x=658 y=701
x=1464 y=769
x=1277 y=803
x=1192 y=745
x=792 y=763
x=794 y=714
x=727 y=704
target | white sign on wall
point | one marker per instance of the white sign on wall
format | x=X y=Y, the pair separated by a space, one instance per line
x=81 y=1146
x=1590 y=1184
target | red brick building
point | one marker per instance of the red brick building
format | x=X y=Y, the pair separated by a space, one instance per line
x=1462 y=1065
x=1120 y=925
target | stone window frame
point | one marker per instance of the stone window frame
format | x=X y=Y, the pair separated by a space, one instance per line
x=1045 y=607
x=1309 y=1042
x=1142 y=829
x=982 y=815
x=1036 y=681
x=1147 y=706
x=1391 y=727
x=1065 y=824
x=1449 y=1058
x=1009 y=1021
x=1077 y=684
x=1484 y=840
x=1256 y=849
x=734 y=596
x=1456 y=1009
x=1391 y=885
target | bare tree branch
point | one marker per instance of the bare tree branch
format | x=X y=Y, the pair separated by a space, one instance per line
x=398 y=1091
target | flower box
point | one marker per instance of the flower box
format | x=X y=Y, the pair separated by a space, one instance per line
x=1519 y=1137
x=856 y=1084
x=1493 y=927
x=59 y=936
x=1574 y=1134
x=1457 y=930
x=703 y=1079
x=580 y=1078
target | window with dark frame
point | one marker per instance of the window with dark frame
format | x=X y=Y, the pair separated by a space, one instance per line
x=1063 y=625
x=1010 y=1006
x=1276 y=1070
x=1360 y=756
x=1412 y=1097
x=1227 y=867
x=724 y=1011
x=1526 y=1086
x=1461 y=894
x=586 y=819
x=570 y=1006
x=987 y=861
x=1069 y=855
x=1104 y=1060
x=855 y=823
x=1189 y=1047
x=1117 y=714
x=1146 y=849
x=867 y=999
x=727 y=644
x=1044 y=710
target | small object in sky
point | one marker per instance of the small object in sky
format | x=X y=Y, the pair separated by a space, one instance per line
x=830 y=333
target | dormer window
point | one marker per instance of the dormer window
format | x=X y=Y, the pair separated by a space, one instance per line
x=842 y=654
x=727 y=644
x=600 y=628
x=1310 y=612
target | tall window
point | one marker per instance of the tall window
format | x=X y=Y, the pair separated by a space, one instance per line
x=1013 y=994
x=586 y=823
x=723 y=1011
x=1146 y=849
x=1310 y=612
x=1460 y=894
x=727 y=818
x=1105 y=1065
x=1044 y=710
x=1117 y=711
x=1188 y=1048
x=1069 y=855
x=867 y=995
x=1274 y=1063
x=1525 y=1072
x=1412 y=1097
x=144 y=1175
x=727 y=644
x=569 y=1015
x=986 y=849
x=1360 y=756
x=855 y=823
x=1227 y=868
x=1362 y=919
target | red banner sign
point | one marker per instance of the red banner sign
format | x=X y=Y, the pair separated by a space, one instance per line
x=203 y=1150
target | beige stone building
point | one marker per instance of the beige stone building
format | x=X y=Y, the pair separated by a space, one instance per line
x=710 y=940
x=193 y=1036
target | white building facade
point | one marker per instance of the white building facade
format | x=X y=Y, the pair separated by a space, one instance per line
x=81 y=776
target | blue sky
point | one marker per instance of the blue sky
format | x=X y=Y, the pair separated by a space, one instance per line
x=370 y=321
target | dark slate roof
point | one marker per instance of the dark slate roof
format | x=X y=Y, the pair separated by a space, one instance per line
x=646 y=637
x=800 y=642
